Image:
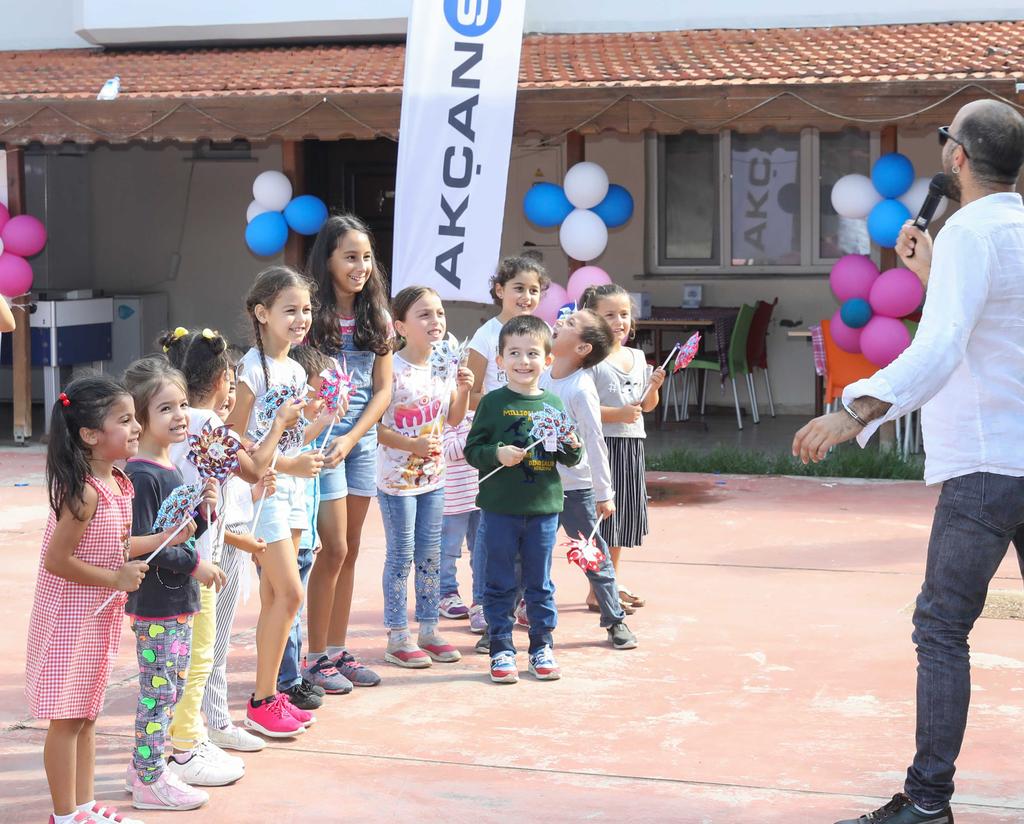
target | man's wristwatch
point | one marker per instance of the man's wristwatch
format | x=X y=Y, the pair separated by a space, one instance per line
x=849 y=411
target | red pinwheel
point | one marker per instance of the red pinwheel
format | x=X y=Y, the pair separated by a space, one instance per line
x=687 y=352
x=337 y=385
x=214 y=452
x=584 y=553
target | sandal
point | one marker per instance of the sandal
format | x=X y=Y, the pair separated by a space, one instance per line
x=627 y=598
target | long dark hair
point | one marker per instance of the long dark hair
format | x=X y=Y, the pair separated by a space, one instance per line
x=270 y=283
x=67 y=455
x=403 y=302
x=371 y=304
x=145 y=377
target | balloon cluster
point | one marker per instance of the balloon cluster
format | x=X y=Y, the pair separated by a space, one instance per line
x=872 y=303
x=887 y=199
x=20 y=238
x=584 y=208
x=273 y=211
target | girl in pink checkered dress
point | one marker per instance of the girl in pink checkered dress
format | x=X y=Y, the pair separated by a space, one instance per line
x=84 y=557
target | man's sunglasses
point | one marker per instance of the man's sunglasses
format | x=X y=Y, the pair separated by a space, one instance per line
x=944 y=135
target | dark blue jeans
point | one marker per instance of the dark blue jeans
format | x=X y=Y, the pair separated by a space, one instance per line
x=529 y=539
x=578 y=518
x=290 y=672
x=977 y=517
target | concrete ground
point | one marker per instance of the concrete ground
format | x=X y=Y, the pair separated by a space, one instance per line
x=774 y=681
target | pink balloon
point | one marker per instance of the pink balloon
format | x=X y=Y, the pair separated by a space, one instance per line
x=554 y=299
x=896 y=293
x=24 y=235
x=4 y=215
x=852 y=277
x=883 y=339
x=15 y=275
x=585 y=277
x=845 y=337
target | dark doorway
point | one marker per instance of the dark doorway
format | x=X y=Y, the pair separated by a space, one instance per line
x=357 y=176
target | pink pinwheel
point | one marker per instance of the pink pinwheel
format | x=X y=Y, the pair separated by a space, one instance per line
x=687 y=352
x=584 y=553
x=337 y=386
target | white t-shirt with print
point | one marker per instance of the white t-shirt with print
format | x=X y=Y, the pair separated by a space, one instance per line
x=285 y=372
x=418 y=399
x=485 y=342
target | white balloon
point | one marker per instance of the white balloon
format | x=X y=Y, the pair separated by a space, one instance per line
x=255 y=208
x=272 y=190
x=586 y=185
x=854 y=196
x=914 y=197
x=583 y=235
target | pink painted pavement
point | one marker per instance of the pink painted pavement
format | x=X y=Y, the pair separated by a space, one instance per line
x=774 y=681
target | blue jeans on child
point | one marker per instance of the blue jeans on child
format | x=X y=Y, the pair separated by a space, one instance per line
x=531 y=540
x=412 y=531
x=977 y=517
x=454 y=530
x=290 y=673
x=579 y=515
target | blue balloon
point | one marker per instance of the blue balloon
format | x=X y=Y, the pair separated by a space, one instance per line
x=892 y=174
x=267 y=234
x=856 y=313
x=616 y=208
x=566 y=310
x=306 y=214
x=885 y=222
x=546 y=205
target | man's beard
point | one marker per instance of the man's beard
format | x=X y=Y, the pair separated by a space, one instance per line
x=951 y=189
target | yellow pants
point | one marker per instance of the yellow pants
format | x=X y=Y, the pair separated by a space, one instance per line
x=187 y=727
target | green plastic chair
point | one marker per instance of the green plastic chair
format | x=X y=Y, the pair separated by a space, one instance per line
x=736 y=358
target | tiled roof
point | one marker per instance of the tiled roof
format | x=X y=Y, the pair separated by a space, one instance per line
x=981 y=50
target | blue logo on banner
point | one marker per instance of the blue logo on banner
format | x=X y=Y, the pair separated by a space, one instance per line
x=472 y=18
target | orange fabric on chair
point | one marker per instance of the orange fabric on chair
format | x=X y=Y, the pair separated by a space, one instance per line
x=842 y=368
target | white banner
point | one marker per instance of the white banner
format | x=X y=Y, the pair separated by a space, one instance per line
x=458 y=101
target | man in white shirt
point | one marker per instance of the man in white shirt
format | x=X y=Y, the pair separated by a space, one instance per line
x=965 y=370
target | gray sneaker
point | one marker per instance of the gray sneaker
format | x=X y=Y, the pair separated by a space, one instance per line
x=483 y=644
x=358 y=674
x=324 y=674
x=620 y=637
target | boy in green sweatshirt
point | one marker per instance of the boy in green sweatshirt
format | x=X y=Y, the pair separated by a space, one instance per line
x=519 y=504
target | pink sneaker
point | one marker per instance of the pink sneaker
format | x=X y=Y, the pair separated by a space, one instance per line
x=273 y=719
x=439 y=650
x=304 y=717
x=404 y=653
x=168 y=792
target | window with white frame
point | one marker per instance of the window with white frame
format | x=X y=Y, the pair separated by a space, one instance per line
x=735 y=203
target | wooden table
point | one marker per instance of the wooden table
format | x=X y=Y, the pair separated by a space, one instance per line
x=819 y=380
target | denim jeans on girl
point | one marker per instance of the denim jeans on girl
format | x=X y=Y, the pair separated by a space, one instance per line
x=454 y=530
x=162 y=647
x=579 y=516
x=412 y=531
x=976 y=518
x=290 y=672
x=531 y=540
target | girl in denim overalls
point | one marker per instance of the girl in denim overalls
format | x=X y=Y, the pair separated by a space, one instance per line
x=352 y=325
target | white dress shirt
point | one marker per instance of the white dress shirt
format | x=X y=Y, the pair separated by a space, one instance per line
x=965 y=367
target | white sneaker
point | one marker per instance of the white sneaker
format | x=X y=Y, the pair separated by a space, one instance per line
x=101 y=814
x=205 y=769
x=211 y=749
x=236 y=738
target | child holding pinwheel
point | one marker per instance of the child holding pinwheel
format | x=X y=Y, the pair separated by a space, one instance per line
x=163 y=606
x=519 y=435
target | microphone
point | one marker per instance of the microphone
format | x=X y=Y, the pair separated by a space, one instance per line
x=936 y=191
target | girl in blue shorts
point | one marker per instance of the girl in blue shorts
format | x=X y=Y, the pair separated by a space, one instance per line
x=352 y=325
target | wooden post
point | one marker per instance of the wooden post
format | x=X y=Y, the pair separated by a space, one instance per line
x=293 y=164
x=575 y=152
x=888 y=143
x=21 y=339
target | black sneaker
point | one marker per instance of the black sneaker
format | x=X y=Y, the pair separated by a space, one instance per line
x=313 y=688
x=303 y=697
x=620 y=637
x=483 y=644
x=901 y=810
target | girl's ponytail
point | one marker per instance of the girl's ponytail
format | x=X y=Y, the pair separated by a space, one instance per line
x=83 y=404
x=264 y=291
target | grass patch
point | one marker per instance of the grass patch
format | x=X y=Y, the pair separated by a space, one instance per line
x=844 y=462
